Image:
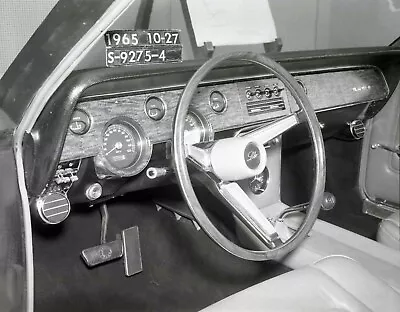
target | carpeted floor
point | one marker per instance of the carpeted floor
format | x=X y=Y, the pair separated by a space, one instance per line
x=183 y=269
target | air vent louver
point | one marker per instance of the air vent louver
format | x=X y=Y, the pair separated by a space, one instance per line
x=264 y=106
x=357 y=129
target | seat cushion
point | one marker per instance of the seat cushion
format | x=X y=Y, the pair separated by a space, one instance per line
x=389 y=231
x=335 y=283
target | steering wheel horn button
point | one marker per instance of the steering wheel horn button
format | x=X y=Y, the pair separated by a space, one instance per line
x=237 y=158
x=252 y=155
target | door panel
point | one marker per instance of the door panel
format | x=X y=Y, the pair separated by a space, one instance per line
x=14 y=290
x=379 y=175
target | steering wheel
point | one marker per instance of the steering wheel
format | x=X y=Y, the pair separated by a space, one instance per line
x=232 y=159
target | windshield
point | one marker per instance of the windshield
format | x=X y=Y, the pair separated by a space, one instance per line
x=299 y=24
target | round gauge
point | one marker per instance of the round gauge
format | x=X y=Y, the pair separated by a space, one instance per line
x=197 y=129
x=155 y=108
x=80 y=122
x=125 y=149
x=218 y=102
x=258 y=184
x=119 y=146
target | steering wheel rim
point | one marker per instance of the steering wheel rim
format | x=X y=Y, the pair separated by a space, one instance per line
x=182 y=174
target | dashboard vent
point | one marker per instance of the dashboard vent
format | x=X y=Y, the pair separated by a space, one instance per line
x=263 y=106
x=357 y=129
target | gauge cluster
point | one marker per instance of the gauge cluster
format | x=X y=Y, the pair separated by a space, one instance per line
x=125 y=149
x=120 y=133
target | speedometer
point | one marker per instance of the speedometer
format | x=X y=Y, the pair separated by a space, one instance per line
x=119 y=146
x=125 y=149
x=197 y=129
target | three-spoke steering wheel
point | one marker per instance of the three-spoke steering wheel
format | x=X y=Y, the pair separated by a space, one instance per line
x=246 y=158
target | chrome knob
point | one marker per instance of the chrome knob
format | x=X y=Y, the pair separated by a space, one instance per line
x=395 y=150
x=328 y=201
x=94 y=191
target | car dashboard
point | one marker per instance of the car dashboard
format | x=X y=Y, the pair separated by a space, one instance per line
x=115 y=135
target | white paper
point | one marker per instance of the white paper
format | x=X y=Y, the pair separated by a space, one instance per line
x=232 y=22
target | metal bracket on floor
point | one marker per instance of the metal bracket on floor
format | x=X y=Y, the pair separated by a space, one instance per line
x=126 y=245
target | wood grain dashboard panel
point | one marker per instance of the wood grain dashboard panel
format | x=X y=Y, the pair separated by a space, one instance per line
x=326 y=90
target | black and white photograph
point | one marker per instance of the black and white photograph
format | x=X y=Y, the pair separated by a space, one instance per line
x=199 y=155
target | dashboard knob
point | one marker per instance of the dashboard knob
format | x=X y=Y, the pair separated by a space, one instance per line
x=258 y=93
x=276 y=91
x=328 y=201
x=94 y=191
x=52 y=208
x=268 y=92
x=249 y=95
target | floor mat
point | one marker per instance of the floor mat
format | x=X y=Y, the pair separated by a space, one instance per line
x=183 y=269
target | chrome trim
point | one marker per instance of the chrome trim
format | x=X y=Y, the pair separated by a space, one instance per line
x=66 y=66
x=272 y=130
x=371 y=206
x=378 y=209
x=395 y=150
